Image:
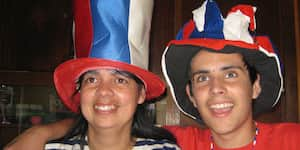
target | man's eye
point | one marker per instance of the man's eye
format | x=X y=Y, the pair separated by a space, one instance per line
x=201 y=78
x=231 y=75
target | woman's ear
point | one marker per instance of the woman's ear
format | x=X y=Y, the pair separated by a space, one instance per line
x=256 y=87
x=190 y=95
x=142 y=96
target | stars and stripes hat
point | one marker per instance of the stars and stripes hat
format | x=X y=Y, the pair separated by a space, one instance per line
x=209 y=30
x=108 y=34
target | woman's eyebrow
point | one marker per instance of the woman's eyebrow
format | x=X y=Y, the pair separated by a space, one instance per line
x=91 y=72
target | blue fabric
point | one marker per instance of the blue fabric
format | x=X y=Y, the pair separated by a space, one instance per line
x=110 y=29
x=213 y=25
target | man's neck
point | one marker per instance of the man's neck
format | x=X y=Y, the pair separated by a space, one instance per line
x=239 y=137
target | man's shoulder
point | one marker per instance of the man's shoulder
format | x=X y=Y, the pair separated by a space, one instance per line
x=279 y=135
x=190 y=137
x=282 y=129
x=280 y=126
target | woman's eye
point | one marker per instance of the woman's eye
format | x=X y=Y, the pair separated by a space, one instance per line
x=231 y=75
x=90 y=80
x=121 y=81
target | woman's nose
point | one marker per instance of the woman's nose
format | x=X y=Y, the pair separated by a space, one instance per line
x=104 y=89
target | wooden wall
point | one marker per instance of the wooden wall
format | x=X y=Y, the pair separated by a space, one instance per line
x=35 y=36
x=297 y=39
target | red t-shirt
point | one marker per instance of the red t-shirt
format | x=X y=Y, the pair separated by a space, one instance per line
x=279 y=136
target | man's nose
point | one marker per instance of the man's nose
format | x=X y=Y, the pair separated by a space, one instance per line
x=217 y=86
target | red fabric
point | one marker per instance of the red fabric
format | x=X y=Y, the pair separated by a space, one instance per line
x=66 y=74
x=83 y=28
x=265 y=43
x=188 y=29
x=281 y=136
x=219 y=44
x=216 y=44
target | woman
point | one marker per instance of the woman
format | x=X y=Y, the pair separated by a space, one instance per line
x=107 y=85
x=112 y=114
x=111 y=100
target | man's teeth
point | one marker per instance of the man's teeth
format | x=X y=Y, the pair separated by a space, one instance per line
x=105 y=107
x=221 y=106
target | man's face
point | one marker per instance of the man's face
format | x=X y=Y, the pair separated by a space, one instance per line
x=222 y=91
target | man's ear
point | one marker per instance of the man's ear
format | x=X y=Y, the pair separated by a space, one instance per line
x=142 y=96
x=190 y=95
x=256 y=87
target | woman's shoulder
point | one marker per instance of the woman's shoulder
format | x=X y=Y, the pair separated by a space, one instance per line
x=150 y=144
x=73 y=143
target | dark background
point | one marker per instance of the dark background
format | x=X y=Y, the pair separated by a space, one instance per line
x=36 y=36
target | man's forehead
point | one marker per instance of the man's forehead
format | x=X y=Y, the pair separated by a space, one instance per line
x=205 y=56
x=206 y=61
x=204 y=51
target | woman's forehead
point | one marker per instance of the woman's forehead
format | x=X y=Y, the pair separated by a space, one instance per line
x=101 y=70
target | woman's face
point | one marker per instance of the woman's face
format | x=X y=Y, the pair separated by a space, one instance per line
x=109 y=98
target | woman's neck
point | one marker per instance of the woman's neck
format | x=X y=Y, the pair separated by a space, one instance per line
x=110 y=139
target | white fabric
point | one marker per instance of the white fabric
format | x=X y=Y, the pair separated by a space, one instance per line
x=140 y=16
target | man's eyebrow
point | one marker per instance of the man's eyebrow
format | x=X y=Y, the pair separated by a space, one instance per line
x=200 y=72
x=205 y=71
x=232 y=67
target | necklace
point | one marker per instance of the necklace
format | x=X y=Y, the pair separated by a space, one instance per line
x=253 y=142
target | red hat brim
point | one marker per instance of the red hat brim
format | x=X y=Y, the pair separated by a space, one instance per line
x=66 y=75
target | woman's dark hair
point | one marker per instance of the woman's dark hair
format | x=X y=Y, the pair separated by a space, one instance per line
x=142 y=126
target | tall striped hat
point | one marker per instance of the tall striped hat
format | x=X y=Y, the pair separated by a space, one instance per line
x=108 y=34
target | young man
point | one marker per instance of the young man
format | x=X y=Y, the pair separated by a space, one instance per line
x=220 y=76
x=223 y=80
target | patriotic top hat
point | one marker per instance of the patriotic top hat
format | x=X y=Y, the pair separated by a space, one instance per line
x=105 y=39
x=209 y=30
